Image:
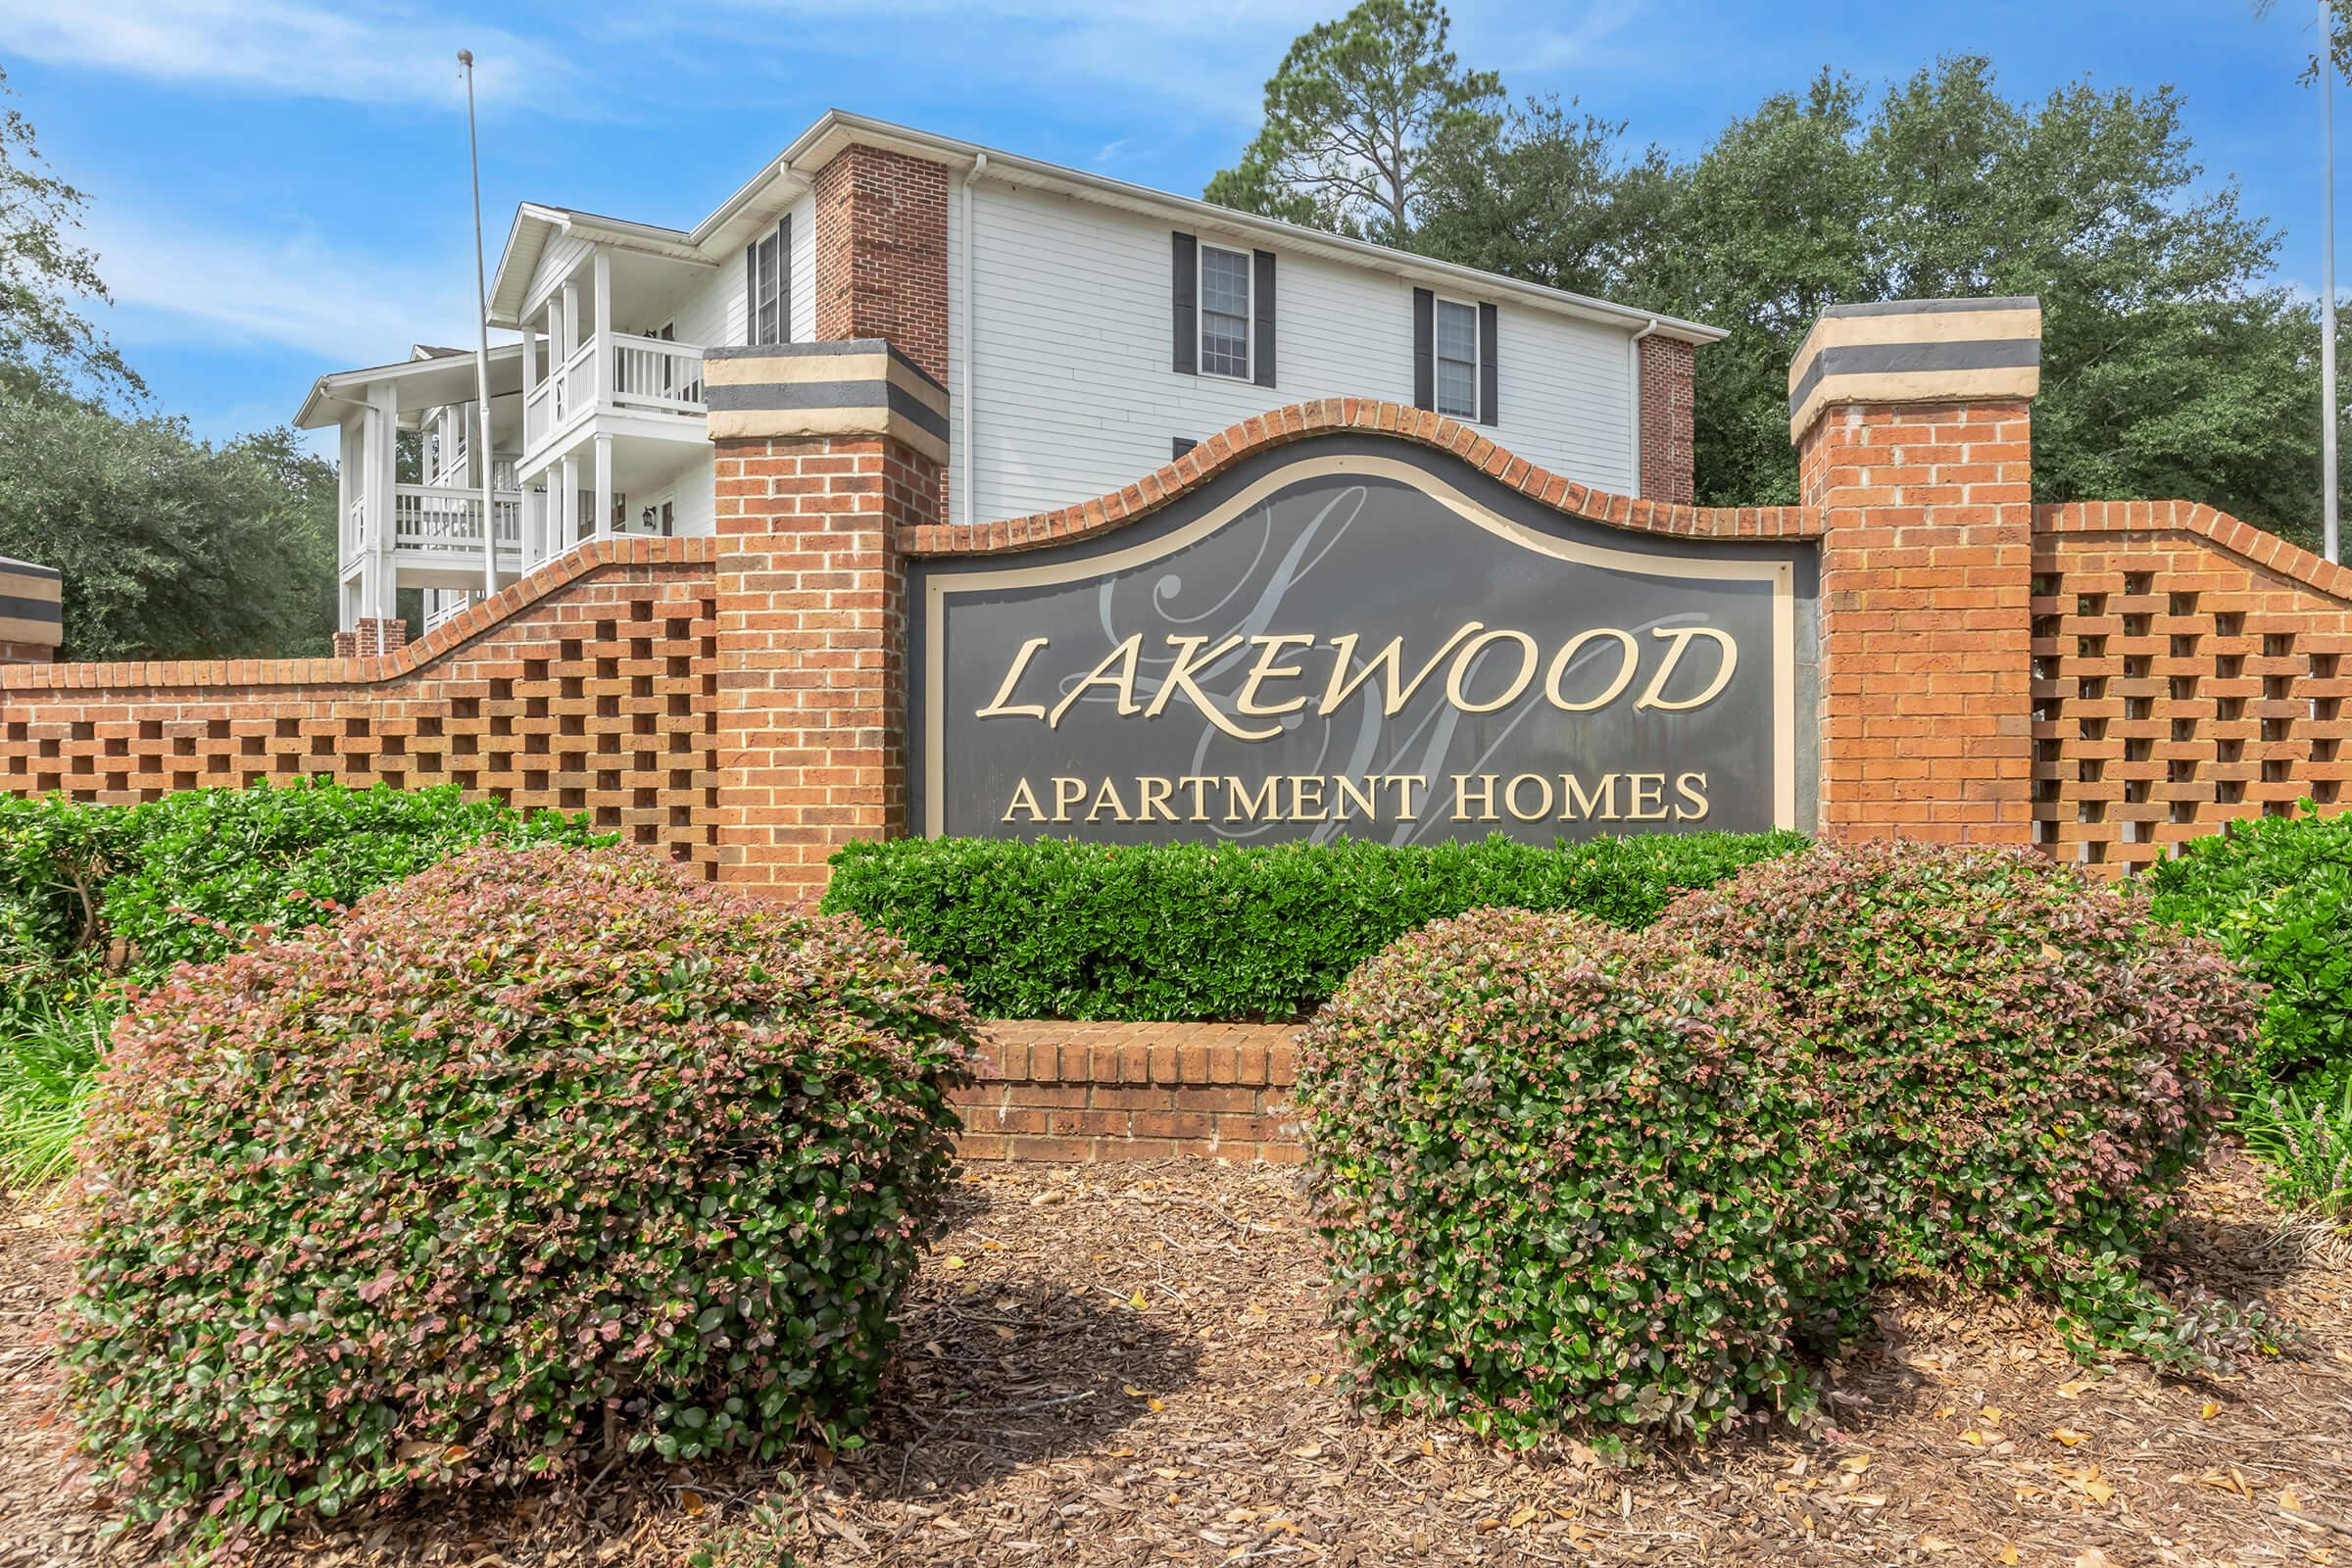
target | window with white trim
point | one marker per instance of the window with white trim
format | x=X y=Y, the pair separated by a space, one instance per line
x=768 y=288
x=1457 y=359
x=1224 y=311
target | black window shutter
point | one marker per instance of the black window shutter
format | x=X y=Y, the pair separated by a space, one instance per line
x=1487 y=381
x=1187 y=285
x=1261 y=305
x=1178 y=446
x=1425 y=349
x=750 y=292
x=784 y=278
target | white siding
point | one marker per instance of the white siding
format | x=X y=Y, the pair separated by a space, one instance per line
x=563 y=253
x=717 y=310
x=1071 y=364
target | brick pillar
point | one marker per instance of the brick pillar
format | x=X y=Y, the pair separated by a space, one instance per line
x=379 y=634
x=1914 y=438
x=812 y=594
x=1667 y=457
x=32 y=612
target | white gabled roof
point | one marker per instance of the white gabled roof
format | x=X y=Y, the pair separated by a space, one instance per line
x=429 y=378
x=787 y=177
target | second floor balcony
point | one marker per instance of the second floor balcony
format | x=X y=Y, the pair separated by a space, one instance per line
x=603 y=354
x=621 y=372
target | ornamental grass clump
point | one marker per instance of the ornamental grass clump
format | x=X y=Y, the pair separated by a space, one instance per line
x=536 y=1155
x=2021 y=1065
x=1563 y=1174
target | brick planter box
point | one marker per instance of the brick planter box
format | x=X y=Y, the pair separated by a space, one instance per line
x=1132 y=1091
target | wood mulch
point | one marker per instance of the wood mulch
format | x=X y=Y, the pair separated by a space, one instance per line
x=1129 y=1365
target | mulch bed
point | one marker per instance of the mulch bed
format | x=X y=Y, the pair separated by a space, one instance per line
x=1129 y=1365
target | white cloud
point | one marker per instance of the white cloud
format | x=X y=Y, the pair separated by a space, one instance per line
x=175 y=281
x=284 y=47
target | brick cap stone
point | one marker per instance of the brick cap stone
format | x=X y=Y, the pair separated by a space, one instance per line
x=849 y=387
x=30 y=608
x=1299 y=422
x=1916 y=351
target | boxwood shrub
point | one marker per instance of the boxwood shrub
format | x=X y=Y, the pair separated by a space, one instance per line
x=536 y=1152
x=2276 y=894
x=1055 y=929
x=1565 y=1175
x=2022 y=1065
x=89 y=890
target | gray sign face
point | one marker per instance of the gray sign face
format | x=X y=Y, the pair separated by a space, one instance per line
x=1372 y=642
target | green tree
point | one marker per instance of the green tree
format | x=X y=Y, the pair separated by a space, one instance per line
x=43 y=270
x=1352 y=117
x=2172 y=367
x=1550 y=198
x=169 y=547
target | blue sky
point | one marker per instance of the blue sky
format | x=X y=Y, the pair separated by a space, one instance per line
x=277 y=186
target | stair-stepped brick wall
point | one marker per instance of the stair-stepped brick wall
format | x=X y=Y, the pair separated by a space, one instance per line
x=588 y=688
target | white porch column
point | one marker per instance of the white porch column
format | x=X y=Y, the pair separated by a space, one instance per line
x=603 y=482
x=383 y=478
x=348 y=451
x=602 y=271
x=571 y=335
x=530 y=380
x=567 y=512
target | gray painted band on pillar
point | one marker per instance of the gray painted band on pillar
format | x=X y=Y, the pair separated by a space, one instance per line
x=768 y=396
x=1865 y=358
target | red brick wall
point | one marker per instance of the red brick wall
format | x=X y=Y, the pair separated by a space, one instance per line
x=2188 y=669
x=27 y=653
x=882 y=252
x=810 y=649
x=1667 y=393
x=1111 y=1090
x=882 y=263
x=1925 y=581
x=587 y=688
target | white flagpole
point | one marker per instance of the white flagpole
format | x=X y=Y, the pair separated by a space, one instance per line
x=484 y=463
x=2332 y=543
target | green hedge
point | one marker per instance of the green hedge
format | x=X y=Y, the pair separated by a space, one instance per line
x=1056 y=929
x=2275 y=892
x=95 y=891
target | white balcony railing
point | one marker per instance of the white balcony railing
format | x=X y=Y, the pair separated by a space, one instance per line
x=656 y=373
x=650 y=374
x=433 y=520
x=355 y=526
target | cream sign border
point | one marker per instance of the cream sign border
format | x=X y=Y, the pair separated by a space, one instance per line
x=1779 y=574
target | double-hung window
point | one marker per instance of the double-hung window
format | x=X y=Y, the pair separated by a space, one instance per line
x=1457 y=359
x=769 y=293
x=1224 y=311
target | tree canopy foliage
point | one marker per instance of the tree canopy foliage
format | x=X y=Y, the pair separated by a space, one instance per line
x=1353 y=115
x=169 y=545
x=2173 y=365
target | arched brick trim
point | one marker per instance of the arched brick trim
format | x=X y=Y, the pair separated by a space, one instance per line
x=585 y=562
x=2248 y=543
x=1327 y=415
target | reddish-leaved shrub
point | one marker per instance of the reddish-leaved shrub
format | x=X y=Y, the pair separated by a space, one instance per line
x=1563 y=1174
x=2022 y=1065
x=534 y=1153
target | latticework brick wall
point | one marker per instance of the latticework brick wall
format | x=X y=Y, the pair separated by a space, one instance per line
x=2188 y=669
x=589 y=688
